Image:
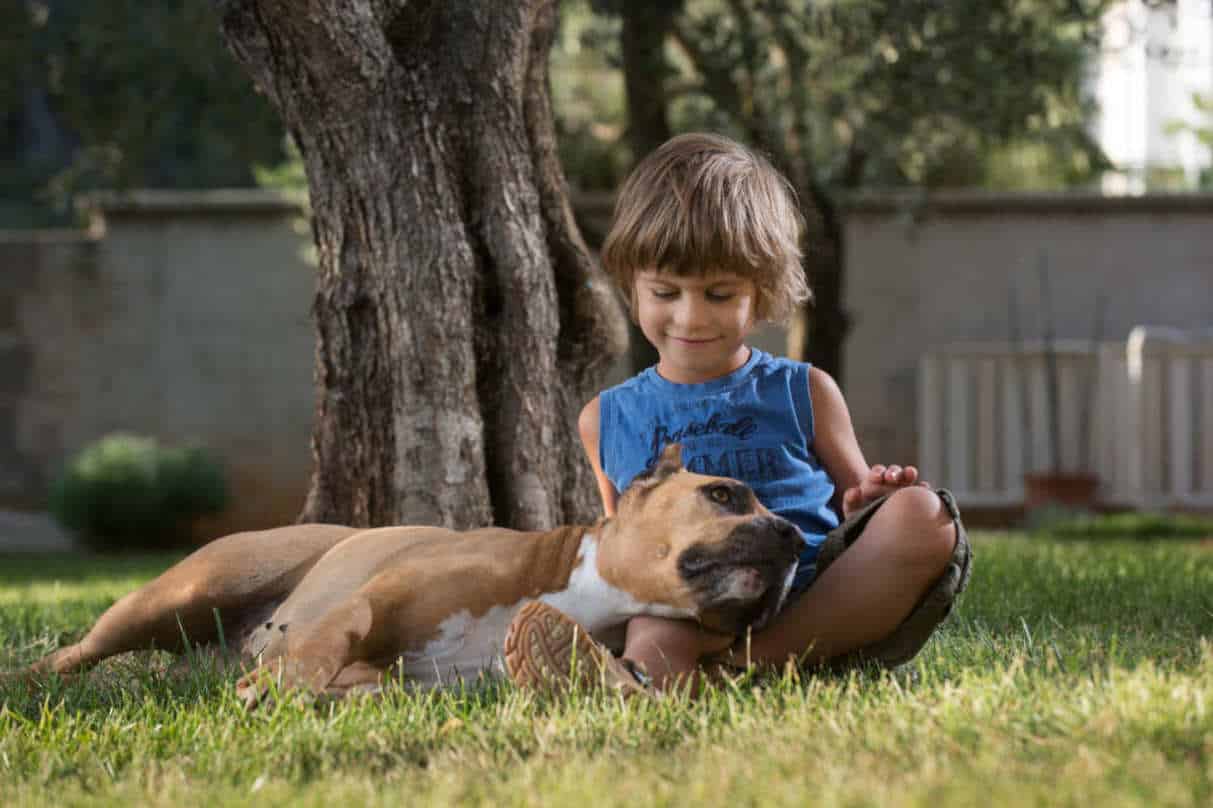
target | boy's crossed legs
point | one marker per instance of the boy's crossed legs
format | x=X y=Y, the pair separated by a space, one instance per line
x=906 y=559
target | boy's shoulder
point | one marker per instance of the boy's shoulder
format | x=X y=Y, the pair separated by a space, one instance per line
x=774 y=363
x=631 y=383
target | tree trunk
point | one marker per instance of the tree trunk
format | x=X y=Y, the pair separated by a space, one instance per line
x=460 y=321
x=826 y=321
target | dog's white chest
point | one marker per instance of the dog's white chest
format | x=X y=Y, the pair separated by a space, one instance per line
x=465 y=648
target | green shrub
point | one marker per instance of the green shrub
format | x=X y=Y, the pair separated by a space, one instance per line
x=128 y=492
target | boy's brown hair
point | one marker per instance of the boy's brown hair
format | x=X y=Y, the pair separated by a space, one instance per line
x=702 y=202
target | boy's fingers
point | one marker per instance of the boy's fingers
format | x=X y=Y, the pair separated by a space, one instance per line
x=893 y=475
x=881 y=480
x=870 y=491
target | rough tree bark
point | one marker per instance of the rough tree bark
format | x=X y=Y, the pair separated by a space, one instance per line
x=460 y=321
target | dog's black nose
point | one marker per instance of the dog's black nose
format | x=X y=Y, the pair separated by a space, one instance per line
x=787 y=533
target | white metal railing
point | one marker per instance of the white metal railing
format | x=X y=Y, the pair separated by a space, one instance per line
x=1138 y=414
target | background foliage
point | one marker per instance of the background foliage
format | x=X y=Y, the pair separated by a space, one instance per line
x=922 y=93
x=126 y=94
x=1202 y=130
x=121 y=94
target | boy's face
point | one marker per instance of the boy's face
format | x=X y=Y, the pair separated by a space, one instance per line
x=697 y=324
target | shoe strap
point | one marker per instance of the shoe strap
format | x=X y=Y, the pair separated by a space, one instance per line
x=642 y=678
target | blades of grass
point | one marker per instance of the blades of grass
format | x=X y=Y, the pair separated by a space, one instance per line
x=219 y=628
x=185 y=641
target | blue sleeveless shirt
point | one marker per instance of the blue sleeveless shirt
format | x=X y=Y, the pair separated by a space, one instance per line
x=755 y=425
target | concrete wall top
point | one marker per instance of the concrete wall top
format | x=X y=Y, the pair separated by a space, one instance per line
x=211 y=202
x=975 y=201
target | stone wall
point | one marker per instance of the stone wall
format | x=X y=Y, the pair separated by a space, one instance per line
x=186 y=316
x=927 y=272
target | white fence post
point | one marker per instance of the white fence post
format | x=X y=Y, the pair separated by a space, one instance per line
x=1150 y=418
x=1171 y=410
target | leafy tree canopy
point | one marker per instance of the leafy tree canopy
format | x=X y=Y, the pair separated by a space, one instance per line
x=869 y=92
x=1201 y=130
x=121 y=94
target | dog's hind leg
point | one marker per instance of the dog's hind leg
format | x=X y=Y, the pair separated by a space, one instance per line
x=209 y=592
x=157 y=615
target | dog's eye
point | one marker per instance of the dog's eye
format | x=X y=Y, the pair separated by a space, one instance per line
x=721 y=494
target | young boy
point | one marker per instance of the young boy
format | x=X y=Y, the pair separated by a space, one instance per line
x=705 y=245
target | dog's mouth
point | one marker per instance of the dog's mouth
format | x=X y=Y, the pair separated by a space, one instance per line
x=733 y=608
x=742 y=582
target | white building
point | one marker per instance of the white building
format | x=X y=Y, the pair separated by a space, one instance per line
x=1156 y=56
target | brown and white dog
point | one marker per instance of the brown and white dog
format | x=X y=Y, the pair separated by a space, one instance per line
x=333 y=609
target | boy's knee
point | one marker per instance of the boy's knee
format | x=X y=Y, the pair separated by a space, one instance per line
x=926 y=533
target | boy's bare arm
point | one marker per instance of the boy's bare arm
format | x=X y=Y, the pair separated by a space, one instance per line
x=837 y=448
x=834 y=440
x=588 y=426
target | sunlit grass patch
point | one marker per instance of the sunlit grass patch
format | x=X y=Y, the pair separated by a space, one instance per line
x=1073 y=673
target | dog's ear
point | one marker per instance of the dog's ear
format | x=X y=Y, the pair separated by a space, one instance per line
x=668 y=463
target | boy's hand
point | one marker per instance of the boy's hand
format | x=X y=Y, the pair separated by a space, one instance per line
x=881 y=480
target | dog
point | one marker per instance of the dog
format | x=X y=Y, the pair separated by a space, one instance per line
x=332 y=610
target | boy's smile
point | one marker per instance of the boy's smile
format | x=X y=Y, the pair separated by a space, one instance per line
x=697 y=324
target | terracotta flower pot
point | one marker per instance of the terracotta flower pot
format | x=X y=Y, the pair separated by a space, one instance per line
x=1072 y=489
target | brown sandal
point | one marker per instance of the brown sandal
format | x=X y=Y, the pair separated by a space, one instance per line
x=546 y=650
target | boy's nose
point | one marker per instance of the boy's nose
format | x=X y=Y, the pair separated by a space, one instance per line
x=688 y=313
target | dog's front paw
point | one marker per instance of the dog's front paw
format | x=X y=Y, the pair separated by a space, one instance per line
x=257 y=687
x=273 y=680
x=268 y=682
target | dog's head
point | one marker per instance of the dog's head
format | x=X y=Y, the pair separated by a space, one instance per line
x=699 y=545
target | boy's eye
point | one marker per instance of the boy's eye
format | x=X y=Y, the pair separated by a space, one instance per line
x=665 y=294
x=719 y=297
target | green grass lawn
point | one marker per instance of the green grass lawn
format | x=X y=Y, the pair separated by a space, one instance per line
x=1074 y=673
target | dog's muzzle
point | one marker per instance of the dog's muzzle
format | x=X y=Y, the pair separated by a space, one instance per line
x=741 y=582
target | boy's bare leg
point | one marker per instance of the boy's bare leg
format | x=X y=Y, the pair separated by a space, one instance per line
x=667 y=650
x=865 y=594
x=861 y=598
